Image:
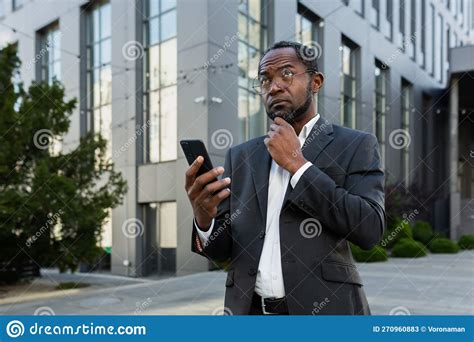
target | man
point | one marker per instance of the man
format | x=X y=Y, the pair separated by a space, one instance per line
x=289 y=202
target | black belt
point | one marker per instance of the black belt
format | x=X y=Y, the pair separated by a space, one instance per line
x=272 y=305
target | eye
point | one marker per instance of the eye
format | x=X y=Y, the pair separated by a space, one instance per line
x=287 y=73
x=264 y=81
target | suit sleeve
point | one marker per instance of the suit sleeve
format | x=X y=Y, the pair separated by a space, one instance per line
x=355 y=212
x=218 y=246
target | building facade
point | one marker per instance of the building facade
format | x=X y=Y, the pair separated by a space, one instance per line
x=148 y=73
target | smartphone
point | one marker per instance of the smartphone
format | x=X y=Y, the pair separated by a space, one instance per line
x=193 y=149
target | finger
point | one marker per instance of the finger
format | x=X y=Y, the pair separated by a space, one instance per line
x=192 y=171
x=219 y=197
x=281 y=122
x=211 y=188
x=201 y=181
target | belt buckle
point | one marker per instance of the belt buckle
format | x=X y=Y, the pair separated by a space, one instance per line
x=263 y=308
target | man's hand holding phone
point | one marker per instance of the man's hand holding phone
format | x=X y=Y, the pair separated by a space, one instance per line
x=205 y=192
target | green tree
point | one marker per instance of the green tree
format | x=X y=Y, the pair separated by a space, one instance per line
x=52 y=205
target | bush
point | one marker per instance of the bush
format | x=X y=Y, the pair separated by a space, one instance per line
x=443 y=245
x=466 y=242
x=422 y=232
x=399 y=230
x=376 y=254
x=408 y=248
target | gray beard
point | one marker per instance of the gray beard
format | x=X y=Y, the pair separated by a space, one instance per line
x=292 y=116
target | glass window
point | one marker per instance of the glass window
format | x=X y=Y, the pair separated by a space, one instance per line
x=389 y=17
x=16 y=4
x=252 y=41
x=375 y=14
x=380 y=106
x=160 y=80
x=348 y=84
x=407 y=105
x=99 y=72
x=308 y=32
x=50 y=53
x=168 y=236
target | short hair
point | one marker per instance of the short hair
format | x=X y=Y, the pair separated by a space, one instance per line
x=308 y=55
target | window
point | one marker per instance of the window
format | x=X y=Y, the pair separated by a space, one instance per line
x=160 y=80
x=375 y=14
x=348 y=55
x=389 y=17
x=16 y=4
x=252 y=42
x=402 y=24
x=99 y=72
x=307 y=32
x=380 y=106
x=440 y=47
x=168 y=237
x=50 y=54
x=407 y=105
x=433 y=40
x=413 y=33
x=2 y=9
x=423 y=34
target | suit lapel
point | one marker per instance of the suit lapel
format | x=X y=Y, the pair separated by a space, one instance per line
x=260 y=163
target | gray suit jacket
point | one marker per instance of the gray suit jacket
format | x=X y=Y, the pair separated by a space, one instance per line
x=338 y=199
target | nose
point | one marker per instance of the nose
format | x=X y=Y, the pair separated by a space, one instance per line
x=275 y=87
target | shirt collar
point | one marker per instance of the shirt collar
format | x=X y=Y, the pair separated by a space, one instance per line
x=308 y=127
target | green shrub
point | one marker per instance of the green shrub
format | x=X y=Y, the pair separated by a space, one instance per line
x=376 y=254
x=408 y=248
x=443 y=245
x=399 y=230
x=422 y=232
x=466 y=242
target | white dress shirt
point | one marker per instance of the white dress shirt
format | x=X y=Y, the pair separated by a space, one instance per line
x=269 y=282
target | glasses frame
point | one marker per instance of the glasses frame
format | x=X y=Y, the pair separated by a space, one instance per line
x=258 y=88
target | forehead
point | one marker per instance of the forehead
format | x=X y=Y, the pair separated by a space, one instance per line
x=277 y=58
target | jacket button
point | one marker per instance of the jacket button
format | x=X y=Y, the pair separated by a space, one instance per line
x=252 y=272
x=261 y=235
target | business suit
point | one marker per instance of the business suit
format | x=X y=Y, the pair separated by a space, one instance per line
x=341 y=195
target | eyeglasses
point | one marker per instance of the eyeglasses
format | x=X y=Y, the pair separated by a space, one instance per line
x=263 y=84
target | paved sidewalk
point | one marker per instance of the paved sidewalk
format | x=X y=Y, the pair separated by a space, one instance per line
x=433 y=285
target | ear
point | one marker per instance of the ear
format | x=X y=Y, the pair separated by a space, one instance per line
x=317 y=82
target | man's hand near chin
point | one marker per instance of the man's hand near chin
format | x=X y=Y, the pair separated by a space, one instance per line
x=284 y=146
